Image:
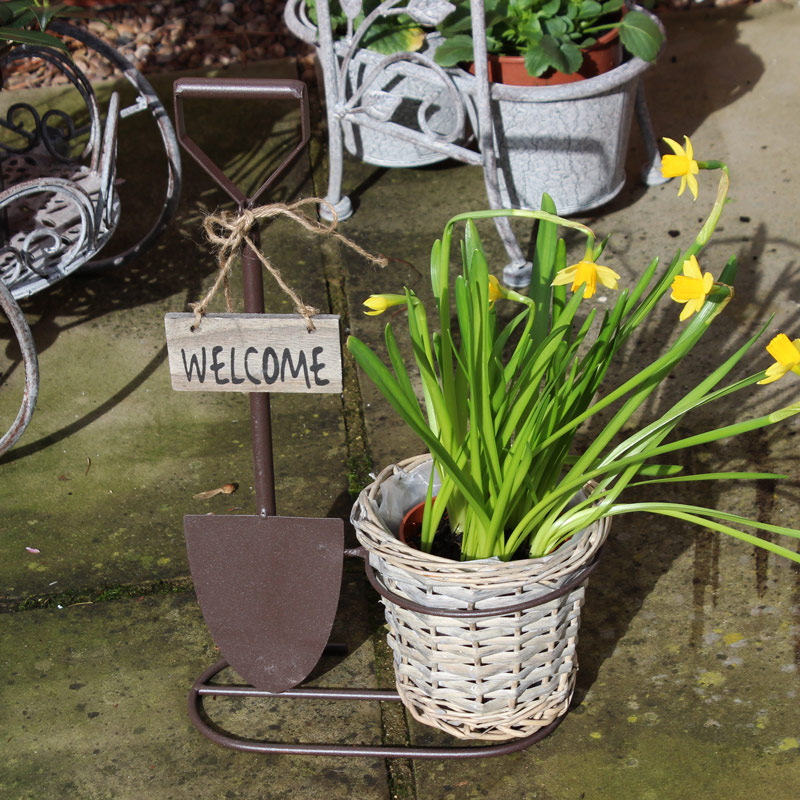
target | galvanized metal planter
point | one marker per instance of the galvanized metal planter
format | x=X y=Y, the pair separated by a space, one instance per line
x=570 y=141
x=424 y=106
x=482 y=649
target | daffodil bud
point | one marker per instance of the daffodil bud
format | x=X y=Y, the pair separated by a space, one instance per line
x=378 y=303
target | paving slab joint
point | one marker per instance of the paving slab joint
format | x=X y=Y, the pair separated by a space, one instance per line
x=394 y=722
x=95 y=594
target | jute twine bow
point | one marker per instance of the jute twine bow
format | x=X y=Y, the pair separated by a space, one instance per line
x=229 y=231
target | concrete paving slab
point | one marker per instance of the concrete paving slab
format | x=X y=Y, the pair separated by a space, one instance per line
x=113 y=456
x=687 y=684
x=94 y=707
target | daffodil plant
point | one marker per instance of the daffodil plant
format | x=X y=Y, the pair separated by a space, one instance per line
x=500 y=405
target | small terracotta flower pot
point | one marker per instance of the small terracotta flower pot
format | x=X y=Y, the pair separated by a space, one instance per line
x=410 y=531
x=601 y=57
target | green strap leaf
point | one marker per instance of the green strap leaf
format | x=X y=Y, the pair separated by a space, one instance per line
x=32 y=37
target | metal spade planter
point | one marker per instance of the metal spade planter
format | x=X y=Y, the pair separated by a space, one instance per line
x=268 y=586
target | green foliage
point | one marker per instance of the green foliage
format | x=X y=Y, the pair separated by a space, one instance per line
x=24 y=22
x=501 y=405
x=549 y=34
x=386 y=35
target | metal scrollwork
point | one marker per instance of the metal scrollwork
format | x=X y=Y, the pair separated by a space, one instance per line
x=400 y=109
x=31 y=363
x=54 y=246
x=22 y=120
x=57 y=209
x=55 y=130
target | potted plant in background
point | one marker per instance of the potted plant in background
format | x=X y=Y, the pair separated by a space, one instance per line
x=569 y=136
x=408 y=109
x=500 y=407
x=544 y=42
x=25 y=21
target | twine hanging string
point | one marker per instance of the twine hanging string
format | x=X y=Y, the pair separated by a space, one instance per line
x=229 y=231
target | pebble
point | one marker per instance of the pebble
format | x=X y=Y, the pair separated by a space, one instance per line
x=182 y=34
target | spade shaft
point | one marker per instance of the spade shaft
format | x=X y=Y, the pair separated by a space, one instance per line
x=260 y=419
x=253 y=285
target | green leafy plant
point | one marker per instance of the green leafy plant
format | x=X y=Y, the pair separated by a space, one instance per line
x=25 y=21
x=501 y=405
x=393 y=33
x=549 y=34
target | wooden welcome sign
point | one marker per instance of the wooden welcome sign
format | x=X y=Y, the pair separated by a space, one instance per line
x=254 y=353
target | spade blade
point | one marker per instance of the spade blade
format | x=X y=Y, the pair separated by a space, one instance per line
x=268 y=588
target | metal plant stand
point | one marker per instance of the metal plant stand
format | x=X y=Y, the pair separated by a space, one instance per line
x=59 y=204
x=405 y=110
x=58 y=196
x=270 y=625
x=31 y=363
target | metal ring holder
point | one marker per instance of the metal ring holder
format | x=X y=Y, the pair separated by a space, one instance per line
x=251 y=540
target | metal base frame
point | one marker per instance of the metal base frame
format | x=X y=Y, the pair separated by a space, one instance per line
x=203 y=688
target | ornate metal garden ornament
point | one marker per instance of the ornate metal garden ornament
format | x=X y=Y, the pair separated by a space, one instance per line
x=403 y=109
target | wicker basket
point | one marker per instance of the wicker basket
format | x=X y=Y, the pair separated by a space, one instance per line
x=491 y=677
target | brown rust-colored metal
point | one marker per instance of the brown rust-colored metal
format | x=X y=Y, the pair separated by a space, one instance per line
x=240 y=89
x=268 y=586
x=203 y=688
x=260 y=417
x=253 y=286
x=268 y=589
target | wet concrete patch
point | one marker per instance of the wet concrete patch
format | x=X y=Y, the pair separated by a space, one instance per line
x=94 y=700
x=102 y=478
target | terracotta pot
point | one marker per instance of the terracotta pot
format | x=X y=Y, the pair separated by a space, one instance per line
x=410 y=531
x=601 y=57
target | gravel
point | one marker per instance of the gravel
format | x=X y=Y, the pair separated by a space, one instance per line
x=179 y=35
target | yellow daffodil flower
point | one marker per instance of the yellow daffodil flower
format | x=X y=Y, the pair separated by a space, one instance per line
x=691 y=288
x=499 y=292
x=496 y=291
x=787 y=357
x=586 y=272
x=681 y=165
x=378 y=303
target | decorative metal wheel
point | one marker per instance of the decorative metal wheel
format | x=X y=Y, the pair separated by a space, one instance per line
x=165 y=185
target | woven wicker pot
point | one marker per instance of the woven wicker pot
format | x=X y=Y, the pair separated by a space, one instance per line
x=496 y=676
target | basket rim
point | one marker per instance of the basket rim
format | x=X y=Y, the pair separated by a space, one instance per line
x=383 y=545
